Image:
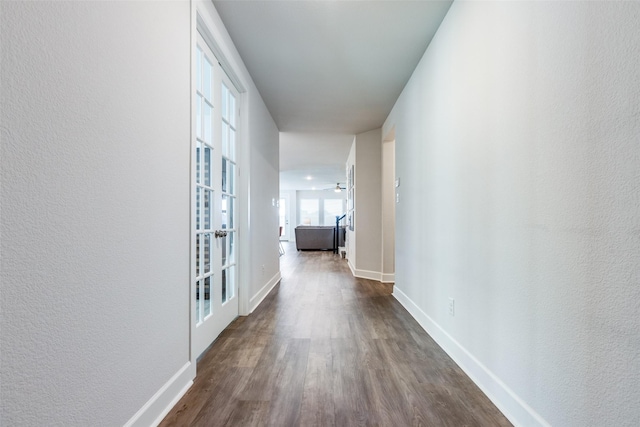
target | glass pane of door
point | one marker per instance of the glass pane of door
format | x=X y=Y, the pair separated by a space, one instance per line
x=229 y=195
x=204 y=190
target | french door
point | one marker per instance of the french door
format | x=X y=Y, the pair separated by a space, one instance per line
x=215 y=295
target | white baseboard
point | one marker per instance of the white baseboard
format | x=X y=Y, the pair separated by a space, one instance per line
x=366 y=274
x=371 y=275
x=351 y=267
x=510 y=404
x=262 y=293
x=363 y=274
x=154 y=411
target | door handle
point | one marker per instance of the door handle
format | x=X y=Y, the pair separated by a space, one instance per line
x=220 y=233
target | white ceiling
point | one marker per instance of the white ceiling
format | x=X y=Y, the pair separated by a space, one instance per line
x=313 y=161
x=330 y=67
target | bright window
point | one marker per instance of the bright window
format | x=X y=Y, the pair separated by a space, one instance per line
x=309 y=212
x=332 y=208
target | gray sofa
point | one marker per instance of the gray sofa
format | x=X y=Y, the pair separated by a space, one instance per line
x=317 y=237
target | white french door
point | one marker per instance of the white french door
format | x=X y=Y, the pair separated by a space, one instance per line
x=215 y=295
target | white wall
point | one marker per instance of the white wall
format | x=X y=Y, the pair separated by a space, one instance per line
x=364 y=245
x=388 y=210
x=369 y=201
x=95 y=127
x=264 y=189
x=517 y=147
x=95 y=208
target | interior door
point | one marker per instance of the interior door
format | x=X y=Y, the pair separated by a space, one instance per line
x=215 y=233
x=283 y=217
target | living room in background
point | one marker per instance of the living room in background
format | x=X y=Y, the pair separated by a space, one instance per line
x=319 y=207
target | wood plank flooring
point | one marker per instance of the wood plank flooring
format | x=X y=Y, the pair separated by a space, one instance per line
x=326 y=349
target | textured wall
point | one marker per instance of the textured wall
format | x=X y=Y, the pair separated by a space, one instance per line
x=518 y=149
x=95 y=208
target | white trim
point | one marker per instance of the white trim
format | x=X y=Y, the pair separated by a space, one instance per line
x=508 y=402
x=365 y=274
x=388 y=278
x=244 y=194
x=262 y=293
x=156 y=408
x=351 y=267
x=204 y=31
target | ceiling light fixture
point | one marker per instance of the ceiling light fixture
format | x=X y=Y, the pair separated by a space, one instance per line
x=338 y=189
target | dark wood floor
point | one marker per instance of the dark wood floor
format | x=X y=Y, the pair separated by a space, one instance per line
x=326 y=349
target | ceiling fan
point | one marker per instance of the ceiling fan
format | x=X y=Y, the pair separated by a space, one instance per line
x=337 y=188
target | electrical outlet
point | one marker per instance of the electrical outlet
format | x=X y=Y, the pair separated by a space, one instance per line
x=452 y=307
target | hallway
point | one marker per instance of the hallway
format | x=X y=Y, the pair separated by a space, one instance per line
x=327 y=349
